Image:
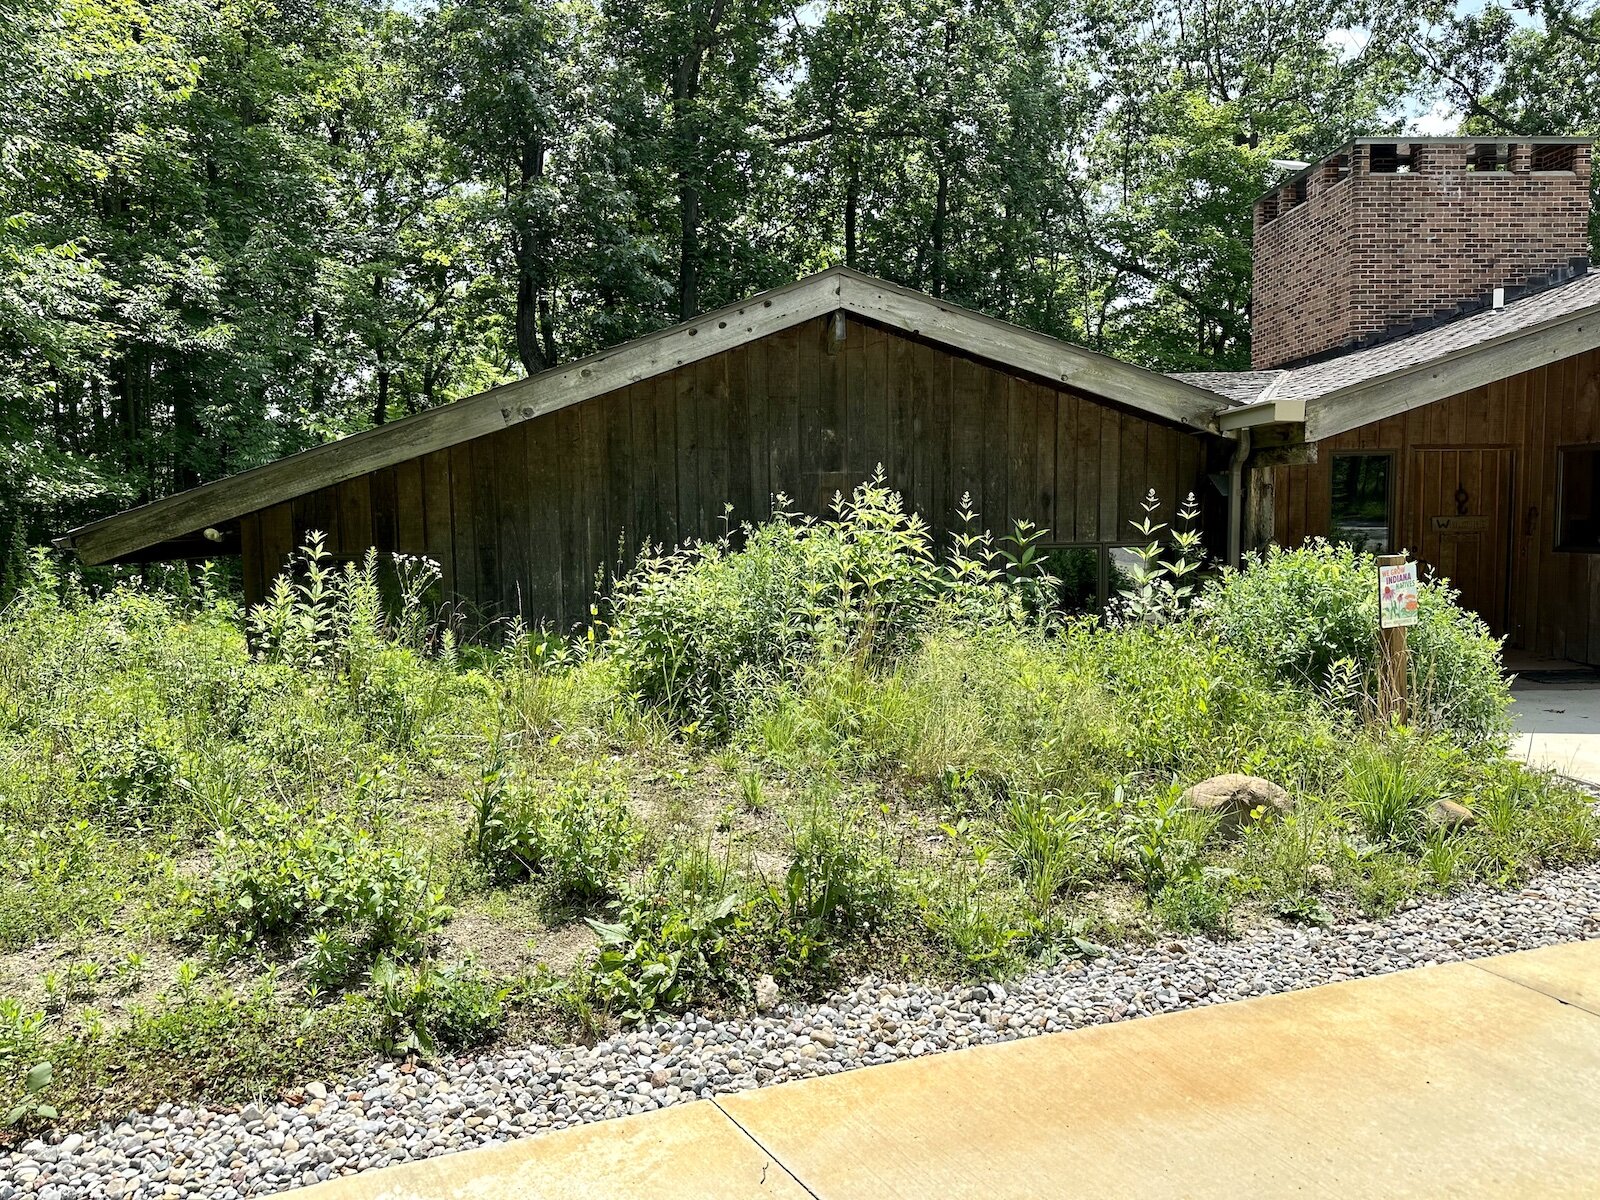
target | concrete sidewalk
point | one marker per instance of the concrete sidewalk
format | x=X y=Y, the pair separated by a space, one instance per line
x=1557 y=725
x=1478 y=1079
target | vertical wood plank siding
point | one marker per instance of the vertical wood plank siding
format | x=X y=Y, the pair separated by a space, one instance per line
x=521 y=520
x=1553 y=608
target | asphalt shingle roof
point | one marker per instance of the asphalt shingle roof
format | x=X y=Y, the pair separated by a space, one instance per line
x=1332 y=375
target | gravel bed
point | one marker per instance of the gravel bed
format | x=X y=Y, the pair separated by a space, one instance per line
x=393 y=1114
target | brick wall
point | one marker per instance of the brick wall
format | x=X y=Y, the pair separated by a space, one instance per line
x=1344 y=252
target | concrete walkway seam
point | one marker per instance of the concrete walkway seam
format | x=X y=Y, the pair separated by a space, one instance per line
x=776 y=1161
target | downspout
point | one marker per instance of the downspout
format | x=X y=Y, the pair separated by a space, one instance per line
x=1241 y=451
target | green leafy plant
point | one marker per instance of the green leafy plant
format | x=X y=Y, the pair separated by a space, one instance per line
x=700 y=631
x=298 y=873
x=31 y=1107
x=962 y=910
x=665 y=949
x=1161 y=844
x=1309 y=616
x=575 y=832
x=1160 y=578
x=421 y=1008
x=1044 y=842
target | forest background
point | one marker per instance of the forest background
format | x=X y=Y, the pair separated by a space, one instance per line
x=230 y=229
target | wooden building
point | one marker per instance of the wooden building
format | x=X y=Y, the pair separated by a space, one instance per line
x=1428 y=378
x=525 y=493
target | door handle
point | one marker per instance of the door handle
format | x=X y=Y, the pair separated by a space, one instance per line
x=1531 y=521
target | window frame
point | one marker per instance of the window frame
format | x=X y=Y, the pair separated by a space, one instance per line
x=1559 y=544
x=1391 y=489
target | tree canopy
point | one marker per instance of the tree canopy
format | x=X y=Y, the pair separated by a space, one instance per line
x=232 y=229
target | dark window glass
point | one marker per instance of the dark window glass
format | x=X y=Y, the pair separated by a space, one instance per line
x=1077 y=572
x=1361 y=499
x=1579 y=519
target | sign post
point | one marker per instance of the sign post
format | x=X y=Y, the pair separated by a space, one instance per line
x=1397 y=610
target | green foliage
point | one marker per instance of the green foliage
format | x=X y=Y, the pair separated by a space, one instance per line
x=422 y=1009
x=297 y=872
x=840 y=884
x=701 y=630
x=1195 y=905
x=1045 y=843
x=668 y=947
x=1162 y=844
x=1389 y=786
x=31 y=1107
x=1160 y=586
x=937 y=776
x=575 y=833
x=977 y=926
x=1300 y=614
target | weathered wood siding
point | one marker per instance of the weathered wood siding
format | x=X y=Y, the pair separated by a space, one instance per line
x=522 y=519
x=1554 y=596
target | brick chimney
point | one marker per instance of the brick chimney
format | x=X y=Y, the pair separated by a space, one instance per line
x=1386 y=234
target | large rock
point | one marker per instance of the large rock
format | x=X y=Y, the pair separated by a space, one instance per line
x=1232 y=798
x=1447 y=814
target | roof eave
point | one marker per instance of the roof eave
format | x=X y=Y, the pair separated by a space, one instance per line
x=1261 y=412
x=1460 y=371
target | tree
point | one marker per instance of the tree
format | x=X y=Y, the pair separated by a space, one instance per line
x=701 y=69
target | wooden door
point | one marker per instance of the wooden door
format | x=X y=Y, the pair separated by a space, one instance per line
x=1460 y=524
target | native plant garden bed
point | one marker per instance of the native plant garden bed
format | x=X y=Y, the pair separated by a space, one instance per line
x=233 y=865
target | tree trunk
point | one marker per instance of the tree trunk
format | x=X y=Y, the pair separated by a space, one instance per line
x=532 y=265
x=852 y=205
x=686 y=144
x=185 y=424
x=319 y=367
x=547 y=330
x=380 y=406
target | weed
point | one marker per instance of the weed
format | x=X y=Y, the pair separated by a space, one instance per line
x=666 y=949
x=962 y=909
x=1161 y=844
x=421 y=1009
x=1388 y=787
x=576 y=833
x=1044 y=843
x=301 y=870
x=31 y=1108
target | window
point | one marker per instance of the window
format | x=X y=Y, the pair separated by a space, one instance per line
x=1488 y=156
x=1362 y=512
x=1077 y=572
x=1577 y=510
x=1389 y=158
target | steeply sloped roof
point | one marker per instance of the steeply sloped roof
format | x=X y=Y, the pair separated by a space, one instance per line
x=1362 y=386
x=173 y=524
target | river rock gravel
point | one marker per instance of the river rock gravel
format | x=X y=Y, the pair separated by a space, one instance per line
x=394 y=1114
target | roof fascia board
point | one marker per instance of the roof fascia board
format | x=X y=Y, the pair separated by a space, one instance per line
x=1262 y=412
x=1461 y=371
x=450 y=424
x=1036 y=353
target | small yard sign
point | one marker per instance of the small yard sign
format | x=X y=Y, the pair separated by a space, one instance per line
x=1397 y=595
